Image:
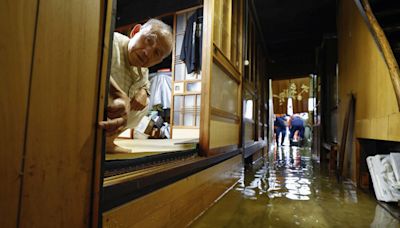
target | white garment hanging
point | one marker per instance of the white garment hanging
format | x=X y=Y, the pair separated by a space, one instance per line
x=160 y=89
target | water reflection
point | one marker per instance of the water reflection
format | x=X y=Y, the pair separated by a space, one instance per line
x=290 y=190
x=290 y=174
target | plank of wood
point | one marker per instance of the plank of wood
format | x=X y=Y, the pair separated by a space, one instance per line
x=205 y=114
x=357 y=158
x=17 y=23
x=346 y=124
x=61 y=131
x=154 y=145
x=108 y=15
x=332 y=157
x=223 y=134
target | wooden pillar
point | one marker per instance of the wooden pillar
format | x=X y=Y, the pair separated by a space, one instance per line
x=17 y=23
x=49 y=98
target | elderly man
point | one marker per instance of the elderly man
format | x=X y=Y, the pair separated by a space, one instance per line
x=148 y=45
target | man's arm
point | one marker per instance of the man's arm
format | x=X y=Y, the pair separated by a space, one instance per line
x=140 y=99
x=117 y=110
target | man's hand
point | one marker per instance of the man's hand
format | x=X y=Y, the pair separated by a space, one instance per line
x=117 y=116
x=117 y=111
x=139 y=101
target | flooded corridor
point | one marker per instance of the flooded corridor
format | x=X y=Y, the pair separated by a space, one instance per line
x=291 y=190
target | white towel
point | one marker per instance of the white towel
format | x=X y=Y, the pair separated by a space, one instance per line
x=383 y=170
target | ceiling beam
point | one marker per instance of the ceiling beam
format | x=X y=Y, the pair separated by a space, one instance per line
x=129 y=11
x=287 y=71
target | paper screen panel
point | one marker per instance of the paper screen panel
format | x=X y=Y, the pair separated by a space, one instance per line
x=224 y=91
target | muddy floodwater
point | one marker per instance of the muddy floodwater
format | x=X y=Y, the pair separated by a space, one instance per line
x=291 y=190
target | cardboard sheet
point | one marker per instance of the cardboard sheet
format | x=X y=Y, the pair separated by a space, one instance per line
x=147 y=147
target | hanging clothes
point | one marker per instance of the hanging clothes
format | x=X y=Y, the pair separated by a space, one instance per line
x=160 y=89
x=192 y=42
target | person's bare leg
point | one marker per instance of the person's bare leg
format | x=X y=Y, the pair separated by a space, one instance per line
x=111 y=147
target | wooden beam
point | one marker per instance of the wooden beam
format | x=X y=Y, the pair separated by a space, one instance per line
x=205 y=114
x=280 y=71
x=343 y=143
x=250 y=149
x=224 y=114
x=357 y=157
x=149 y=8
x=108 y=18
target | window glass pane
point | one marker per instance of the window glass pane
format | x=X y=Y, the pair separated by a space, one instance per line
x=178 y=103
x=198 y=105
x=189 y=118
x=227 y=98
x=198 y=102
x=180 y=71
x=179 y=39
x=180 y=23
x=189 y=101
x=190 y=76
x=248 y=113
x=177 y=118
x=178 y=106
x=193 y=87
x=198 y=118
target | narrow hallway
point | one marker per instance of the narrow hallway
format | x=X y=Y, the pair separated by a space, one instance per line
x=292 y=190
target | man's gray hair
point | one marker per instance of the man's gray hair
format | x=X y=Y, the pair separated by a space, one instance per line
x=155 y=26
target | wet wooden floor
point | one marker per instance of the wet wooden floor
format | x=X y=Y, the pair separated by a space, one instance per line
x=291 y=190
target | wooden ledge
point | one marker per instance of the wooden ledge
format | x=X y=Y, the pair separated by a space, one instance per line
x=225 y=115
x=250 y=149
x=130 y=186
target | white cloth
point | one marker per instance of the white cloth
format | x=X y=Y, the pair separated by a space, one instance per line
x=384 y=172
x=160 y=89
x=129 y=78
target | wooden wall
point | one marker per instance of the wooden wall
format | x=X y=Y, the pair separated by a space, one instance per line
x=224 y=131
x=16 y=52
x=221 y=81
x=363 y=72
x=50 y=54
x=178 y=204
x=298 y=105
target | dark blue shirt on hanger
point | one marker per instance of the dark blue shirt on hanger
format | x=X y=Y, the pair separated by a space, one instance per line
x=192 y=42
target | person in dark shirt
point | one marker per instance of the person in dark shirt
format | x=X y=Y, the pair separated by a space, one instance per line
x=296 y=124
x=280 y=127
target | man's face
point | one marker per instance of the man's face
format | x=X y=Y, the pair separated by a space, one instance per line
x=146 y=50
